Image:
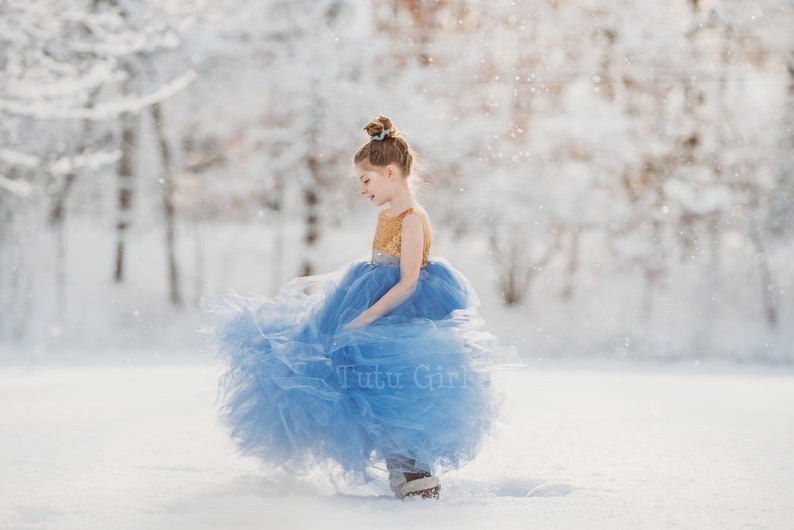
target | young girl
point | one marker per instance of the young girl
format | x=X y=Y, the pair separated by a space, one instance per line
x=385 y=361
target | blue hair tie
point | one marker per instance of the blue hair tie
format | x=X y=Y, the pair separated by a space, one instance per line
x=380 y=136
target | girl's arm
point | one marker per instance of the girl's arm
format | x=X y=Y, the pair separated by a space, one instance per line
x=411 y=255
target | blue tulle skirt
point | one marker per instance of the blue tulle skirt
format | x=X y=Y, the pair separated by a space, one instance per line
x=302 y=389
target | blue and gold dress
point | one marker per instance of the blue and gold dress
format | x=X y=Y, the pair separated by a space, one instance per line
x=301 y=388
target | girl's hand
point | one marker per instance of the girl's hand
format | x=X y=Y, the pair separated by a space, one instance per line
x=361 y=321
x=410 y=263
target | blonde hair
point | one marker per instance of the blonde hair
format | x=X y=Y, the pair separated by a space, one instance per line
x=385 y=146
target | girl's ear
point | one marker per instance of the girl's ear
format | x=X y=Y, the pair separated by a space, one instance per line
x=391 y=172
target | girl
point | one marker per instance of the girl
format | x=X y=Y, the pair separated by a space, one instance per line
x=384 y=361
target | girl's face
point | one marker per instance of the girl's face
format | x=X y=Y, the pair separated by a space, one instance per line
x=374 y=183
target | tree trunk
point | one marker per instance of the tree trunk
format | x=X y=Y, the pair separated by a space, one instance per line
x=573 y=264
x=57 y=220
x=515 y=268
x=168 y=206
x=312 y=199
x=57 y=216
x=768 y=294
x=126 y=176
x=16 y=280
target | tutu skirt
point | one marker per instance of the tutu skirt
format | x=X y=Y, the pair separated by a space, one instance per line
x=302 y=389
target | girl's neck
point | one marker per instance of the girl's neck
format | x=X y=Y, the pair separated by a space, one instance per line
x=401 y=203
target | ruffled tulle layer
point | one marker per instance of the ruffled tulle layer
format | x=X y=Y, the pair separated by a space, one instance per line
x=301 y=388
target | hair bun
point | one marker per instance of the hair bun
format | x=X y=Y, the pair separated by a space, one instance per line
x=378 y=125
x=385 y=145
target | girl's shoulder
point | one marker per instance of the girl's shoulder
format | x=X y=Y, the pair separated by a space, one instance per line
x=420 y=213
x=418 y=210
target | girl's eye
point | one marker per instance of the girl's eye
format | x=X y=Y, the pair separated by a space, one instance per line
x=366 y=181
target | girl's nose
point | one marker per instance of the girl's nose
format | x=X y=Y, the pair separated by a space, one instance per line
x=362 y=189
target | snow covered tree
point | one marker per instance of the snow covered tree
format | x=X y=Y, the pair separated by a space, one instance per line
x=290 y=122
x=635 y=154
x=70 y=97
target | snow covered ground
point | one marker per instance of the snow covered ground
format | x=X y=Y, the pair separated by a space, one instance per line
x=138 y=447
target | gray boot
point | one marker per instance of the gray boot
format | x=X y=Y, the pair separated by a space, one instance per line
x=409 y=480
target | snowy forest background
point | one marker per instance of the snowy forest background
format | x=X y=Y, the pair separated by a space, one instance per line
x=616 y=178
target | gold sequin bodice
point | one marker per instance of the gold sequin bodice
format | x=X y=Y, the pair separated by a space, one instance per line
x=388 y=237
